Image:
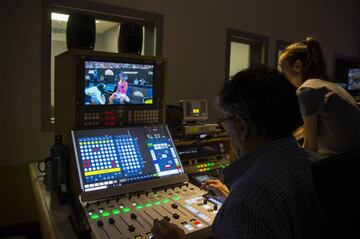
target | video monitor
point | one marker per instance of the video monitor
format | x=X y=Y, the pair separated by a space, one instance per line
x=194 y=110
x=119 y=158
x=115 y=83
x=353 y=79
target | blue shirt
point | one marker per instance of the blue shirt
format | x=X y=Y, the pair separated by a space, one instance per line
x=271 y=195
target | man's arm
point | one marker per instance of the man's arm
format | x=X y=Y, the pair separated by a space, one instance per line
x=241 y=221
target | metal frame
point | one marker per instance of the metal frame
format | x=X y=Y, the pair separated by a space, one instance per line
x=100 y=10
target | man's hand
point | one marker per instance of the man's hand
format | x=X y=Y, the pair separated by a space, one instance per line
x=165 y=230
x=220 y=189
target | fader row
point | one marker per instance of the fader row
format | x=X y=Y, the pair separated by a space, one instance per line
x=133 y=216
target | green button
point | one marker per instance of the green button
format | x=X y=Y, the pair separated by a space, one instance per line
x=105 y=214
x=126 y=209
x=176 y=198
x=138 y=206
x=156 y=202
x=148 y=204
x=116 y=211
x=165 y=200
x=94 y=216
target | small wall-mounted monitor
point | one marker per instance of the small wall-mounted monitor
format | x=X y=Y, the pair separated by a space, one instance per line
x=194 y=110
x=353 y=79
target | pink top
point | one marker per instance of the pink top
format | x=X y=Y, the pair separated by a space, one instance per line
x=122 y=86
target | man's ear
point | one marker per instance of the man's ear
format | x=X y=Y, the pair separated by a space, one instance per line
x=243 y=126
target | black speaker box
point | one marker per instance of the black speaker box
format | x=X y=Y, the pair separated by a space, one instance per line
x=174 y=118
x=130 y=38
x=80 y=31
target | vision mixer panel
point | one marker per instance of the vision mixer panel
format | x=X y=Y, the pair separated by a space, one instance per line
x=132 y=217
x=131 y=176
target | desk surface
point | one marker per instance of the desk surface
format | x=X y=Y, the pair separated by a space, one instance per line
x=53 y=217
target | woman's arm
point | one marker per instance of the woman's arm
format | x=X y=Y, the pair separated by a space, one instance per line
x=310 y=132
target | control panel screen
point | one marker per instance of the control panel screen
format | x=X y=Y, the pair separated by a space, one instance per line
x=119 y=156
x=114 y=83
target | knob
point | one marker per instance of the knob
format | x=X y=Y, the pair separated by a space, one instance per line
x=205 y=201
x=111 y=220
x=100 y=223
x=215 y=207
x=176 y=216
x=87 y=204
x=147 y=193
x=131 y=228
x=98 y=203
x=117 y=199
x=187 y=184
x=166 y=218
x=174 y=206
x=107 y=201
x=129 y=196
x=133 y=216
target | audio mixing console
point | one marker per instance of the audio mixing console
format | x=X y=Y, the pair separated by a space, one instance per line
x=133 y=216
x=130 y=177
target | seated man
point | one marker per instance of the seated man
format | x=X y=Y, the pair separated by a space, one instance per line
x=269 y=191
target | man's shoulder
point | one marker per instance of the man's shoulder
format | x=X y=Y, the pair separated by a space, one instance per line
x=271 y=177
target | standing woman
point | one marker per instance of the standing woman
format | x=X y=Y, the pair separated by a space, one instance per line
x=331 y=115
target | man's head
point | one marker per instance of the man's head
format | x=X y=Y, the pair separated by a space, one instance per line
x=259 y=103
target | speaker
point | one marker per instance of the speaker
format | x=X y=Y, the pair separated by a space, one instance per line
x=60 y=169
x=80 y=31
x=130 y=38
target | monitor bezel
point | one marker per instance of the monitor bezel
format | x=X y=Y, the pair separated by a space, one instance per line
x=127 y=188
x=116 y=59
x=193 y=118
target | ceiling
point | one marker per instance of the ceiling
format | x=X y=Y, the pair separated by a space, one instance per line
x=101 y=25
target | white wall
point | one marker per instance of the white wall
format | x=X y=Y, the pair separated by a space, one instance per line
x=194 y=43
x=110 y=39
x=239 y=57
